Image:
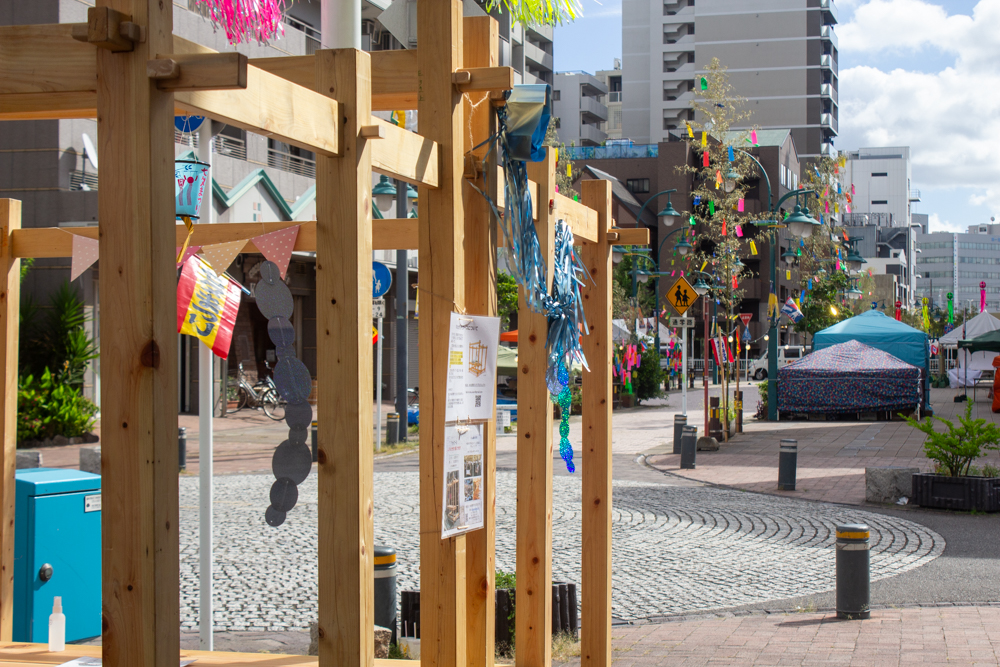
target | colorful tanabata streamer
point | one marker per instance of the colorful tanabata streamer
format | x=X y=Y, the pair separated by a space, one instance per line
x=247 y=20
x=982 y=297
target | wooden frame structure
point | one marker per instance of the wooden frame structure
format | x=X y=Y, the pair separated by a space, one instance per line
x=126 y=68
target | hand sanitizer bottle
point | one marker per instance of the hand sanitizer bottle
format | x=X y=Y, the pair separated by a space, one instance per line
x=57 y=627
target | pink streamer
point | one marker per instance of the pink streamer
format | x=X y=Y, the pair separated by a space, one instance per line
x=982 y=297
x=246 y=20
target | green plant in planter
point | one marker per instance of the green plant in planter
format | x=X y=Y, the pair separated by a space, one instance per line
x=50 y=406
x=762 y=401
x=649 y=376
x=956 y=449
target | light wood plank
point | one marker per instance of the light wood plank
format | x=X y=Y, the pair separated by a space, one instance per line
x=211 y=71
x=45 y=59
x=10 y=299
x=480 y=49
x=595 y=636
x=387 y=234
x=140 y=545
x=487 y=78
x=533 y=647
x=406 y=155
x=631 y=236
x=344 y=409
x=442 y=291
x=582 y=220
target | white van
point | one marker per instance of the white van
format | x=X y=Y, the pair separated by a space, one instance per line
x=786 y=355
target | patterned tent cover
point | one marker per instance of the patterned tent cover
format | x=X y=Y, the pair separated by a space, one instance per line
x=848 y=377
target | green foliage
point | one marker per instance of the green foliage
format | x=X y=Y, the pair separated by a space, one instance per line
x=649 y=376
x=762 y=400
x=564 y=166
x=645 y=297
x=506 y=298
x=505 y=579
x=822 y=307
x=990 y=470
x=539 y=12
x=26 y=265
x=57 y=339
x=48 y=406
x=956 y=449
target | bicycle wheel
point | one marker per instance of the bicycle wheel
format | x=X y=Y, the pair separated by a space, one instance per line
x=274 y=405
x=242 y=399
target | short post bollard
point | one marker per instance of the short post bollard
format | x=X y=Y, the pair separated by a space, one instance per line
x=392 y=428
x=315 y=441
x=853 y=572
x=680 y=421
x=788 y=457
x=182 y=447
x=689 y=447
x=385 y=589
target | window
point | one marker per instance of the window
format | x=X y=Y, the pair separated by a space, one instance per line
x=879 y=173
x=978 y=275
x=940 y=274
x=876 y=202
x=792 y=353
x=979 y=260
x=935 y=245
x=937 y=260
x=556 y=96
x=637 y=185
x=965 y=245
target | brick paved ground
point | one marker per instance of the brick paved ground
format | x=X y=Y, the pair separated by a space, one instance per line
x=892 y=637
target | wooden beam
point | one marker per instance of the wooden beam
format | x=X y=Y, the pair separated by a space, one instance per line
x=481 y=49
x=140 y=545
x=387 y=234
x=406 y=155
x=345 y=389
x=210 y=71
x=10 y=299
x=595 y=648
x=582 y=220
x=45 y=59
x=110 y=29
x=485 y=79
x=631 y=235
x=534 y=454
x=442 y=291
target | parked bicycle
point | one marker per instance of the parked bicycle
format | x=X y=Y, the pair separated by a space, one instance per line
x=260 y=396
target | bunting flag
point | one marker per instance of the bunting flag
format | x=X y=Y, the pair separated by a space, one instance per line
x=191 y=250
x=277 y=246
x=221 y=255
x=793 y=312
x=207 y=305
x=84 y=255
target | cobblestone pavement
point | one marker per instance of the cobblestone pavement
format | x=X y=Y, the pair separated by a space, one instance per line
x=676 y=549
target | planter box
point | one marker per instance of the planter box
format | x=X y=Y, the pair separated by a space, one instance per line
x=956 y=493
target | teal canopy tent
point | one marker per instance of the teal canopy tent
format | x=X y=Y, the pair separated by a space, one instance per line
x=875 y=329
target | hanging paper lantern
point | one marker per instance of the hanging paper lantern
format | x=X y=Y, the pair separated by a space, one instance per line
x=951 y=309
x=247 y=20
x=982 y=297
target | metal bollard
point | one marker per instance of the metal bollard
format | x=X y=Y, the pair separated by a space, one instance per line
x=689 y=447
x=853 y=572
x=788 y=456
x=680 y=421
x=182 y=447
x=315 y=441
x=385 y=589
x=392 y=428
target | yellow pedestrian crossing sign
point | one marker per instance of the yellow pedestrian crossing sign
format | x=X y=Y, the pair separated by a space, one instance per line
x=681 y=295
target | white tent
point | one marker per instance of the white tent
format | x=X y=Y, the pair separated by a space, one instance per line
x=977 y=362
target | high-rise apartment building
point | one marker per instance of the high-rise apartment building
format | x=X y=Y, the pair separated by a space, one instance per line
x=612 y=78
x=579 y=109
x=781 y=56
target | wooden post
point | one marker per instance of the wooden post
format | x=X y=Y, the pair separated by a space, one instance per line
x=533 y=621
x=442 y=291
x=595 y=635
x=344 y=391
x=138 y=290
x=481 y=46
x=10 y=299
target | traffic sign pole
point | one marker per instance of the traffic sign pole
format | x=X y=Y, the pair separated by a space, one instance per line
x=684 y=370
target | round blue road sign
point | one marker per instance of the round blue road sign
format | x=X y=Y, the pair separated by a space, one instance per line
x=381 y=279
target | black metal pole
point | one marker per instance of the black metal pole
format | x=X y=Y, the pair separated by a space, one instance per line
x=402 y=319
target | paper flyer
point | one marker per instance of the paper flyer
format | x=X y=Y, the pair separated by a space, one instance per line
x=462 y=501
x=472 y=368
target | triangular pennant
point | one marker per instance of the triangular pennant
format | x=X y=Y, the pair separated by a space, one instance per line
x=221 y=255
x=191 y=250
x=277 y=246
x=84 y=255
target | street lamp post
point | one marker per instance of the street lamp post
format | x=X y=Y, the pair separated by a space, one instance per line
x=800 y=224
x=668 y=215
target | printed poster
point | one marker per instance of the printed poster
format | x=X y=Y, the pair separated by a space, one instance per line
x=472 y=368
x=462 y=501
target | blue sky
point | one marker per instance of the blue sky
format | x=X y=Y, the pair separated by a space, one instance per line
x=913 y=73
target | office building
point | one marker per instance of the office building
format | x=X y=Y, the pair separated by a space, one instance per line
x=612 y=78
x=578 y=105
x=781 y=56
x=958 y=263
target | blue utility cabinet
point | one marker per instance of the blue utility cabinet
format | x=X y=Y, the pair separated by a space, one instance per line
x=57 y=551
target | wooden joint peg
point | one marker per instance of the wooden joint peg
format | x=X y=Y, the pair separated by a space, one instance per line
x=104 y=29
x=163 y=68
x=133 y=32
x=461 y=77
x=612 y=236
x=472 y=168
x=372 y=131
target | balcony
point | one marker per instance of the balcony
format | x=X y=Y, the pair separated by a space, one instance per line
x=830 y=91
x=291 y=163
x=826 y=61
x=592 y=134
x=592 y=111
x=536 y=55
x=827 y=32
x=914 y=195
x=614 y=96
x=830 y=9
x=827 y=148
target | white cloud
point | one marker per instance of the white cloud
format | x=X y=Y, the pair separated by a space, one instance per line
x=949 y=118
x=936 y=224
